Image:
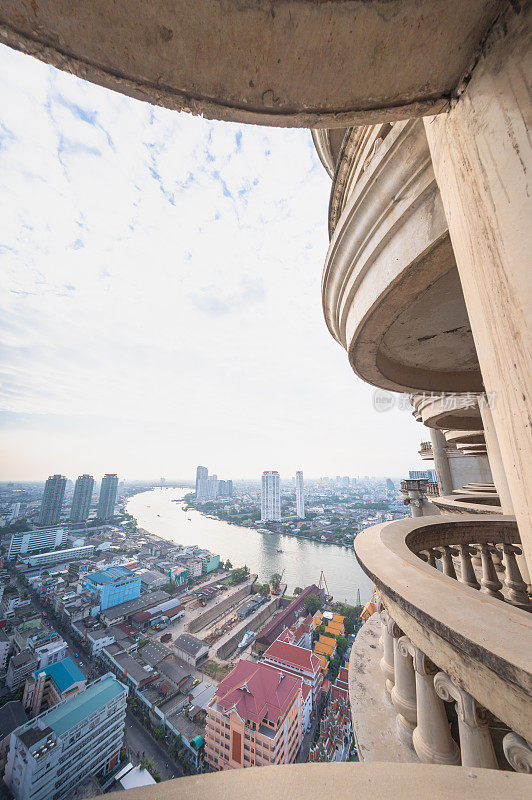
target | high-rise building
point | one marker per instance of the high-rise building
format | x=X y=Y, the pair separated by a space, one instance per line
x=54 y=752
x=52 y=501
x=389 y=485
x=270 y=499
x=212 y=487
x=229 y=486
x=81 y=502
x=107 y=501
x=300 y=495
x=202 y=475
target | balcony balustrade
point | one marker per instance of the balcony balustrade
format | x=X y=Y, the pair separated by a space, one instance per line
x=455 y=632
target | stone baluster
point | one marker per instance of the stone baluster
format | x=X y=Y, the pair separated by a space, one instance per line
x=513 y=581
x=387 y=661
x=447 y=554
x=476 y=747
x=467 y=573
x=432 y=738
x=496 y=557
x=518 y=753
x=404 y=691
x=490 y=583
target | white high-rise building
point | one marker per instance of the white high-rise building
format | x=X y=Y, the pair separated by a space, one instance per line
x=300 y=495
x=270 y=499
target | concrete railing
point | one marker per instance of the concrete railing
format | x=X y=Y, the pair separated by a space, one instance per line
x=347 y=782
x=448 y=638
x=469 y=503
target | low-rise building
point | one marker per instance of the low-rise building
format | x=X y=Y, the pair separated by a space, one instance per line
x=20 y=666
x=125 y=611
x=151 y=579
x=24 y=542
x=114 y=586
x=46 y=687
x=12 y=602
x=50 y=755
x=59 y=556
x=255 y=718
x=191 y=649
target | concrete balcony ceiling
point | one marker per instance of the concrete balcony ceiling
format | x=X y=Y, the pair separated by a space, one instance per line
x=391 y=292
x=272 y=62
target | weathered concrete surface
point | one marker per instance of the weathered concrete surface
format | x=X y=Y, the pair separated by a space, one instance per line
x=344 y=782
x=202 y=620
x=277 y=62
x=391 y=291
x=372 y=712
x=252 y=624
x=482 y=156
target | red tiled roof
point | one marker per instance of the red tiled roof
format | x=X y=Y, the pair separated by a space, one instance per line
x=338 y=691
x=343 y=676
x=257 y=691
x=286 y=636
x=141 y=616
x=287 y=617
x=325 y=686
x=294 y=655
x=168 y=613
x=305 y=688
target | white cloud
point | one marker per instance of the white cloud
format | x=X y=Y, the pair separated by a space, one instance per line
x=161 y=302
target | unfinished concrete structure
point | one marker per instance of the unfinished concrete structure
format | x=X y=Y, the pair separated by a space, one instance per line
x=422 y=115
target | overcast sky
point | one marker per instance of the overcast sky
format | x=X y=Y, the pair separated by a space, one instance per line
x=161 y=302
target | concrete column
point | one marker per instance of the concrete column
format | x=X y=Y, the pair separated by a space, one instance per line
x=441 y=462
x=476 y=747
x=482 y=157
x=432 y=738
x=387 y=660
x=404 y=691
x=495 y=457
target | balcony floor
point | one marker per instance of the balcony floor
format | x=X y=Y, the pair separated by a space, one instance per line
x=372 y=711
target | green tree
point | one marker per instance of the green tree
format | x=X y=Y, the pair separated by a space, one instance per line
x=158 y=732
x=313 y=603
x=297 y=590
x=228 y=564
x=275 y=581
x=264 y=589
x=341 y=643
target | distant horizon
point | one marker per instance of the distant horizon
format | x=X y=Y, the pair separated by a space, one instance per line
x=192 y=480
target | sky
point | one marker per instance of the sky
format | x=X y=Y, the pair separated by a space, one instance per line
x=161 y=302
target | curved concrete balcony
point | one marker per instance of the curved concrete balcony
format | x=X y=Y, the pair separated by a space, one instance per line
x=451 y=413
x=391 y=293
x=347 y=781
x=453 y=633
x=469 y=503
x=463 y=439
x=280 y=63
x=328 y=143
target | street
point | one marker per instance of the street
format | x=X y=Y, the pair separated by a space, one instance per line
x=138 y=740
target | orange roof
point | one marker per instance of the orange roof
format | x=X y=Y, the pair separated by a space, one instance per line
x=338 y=618
x=323 y=649
x=323 y=660
x=327 y=640
x=369 y=609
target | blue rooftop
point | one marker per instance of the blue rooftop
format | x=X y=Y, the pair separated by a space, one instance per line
x=64 y=673
x=62 y=718
x=110 y=574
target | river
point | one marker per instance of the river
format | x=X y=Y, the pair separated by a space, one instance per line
x=301 y=559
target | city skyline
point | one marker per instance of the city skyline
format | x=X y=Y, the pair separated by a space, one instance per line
x=108 y=359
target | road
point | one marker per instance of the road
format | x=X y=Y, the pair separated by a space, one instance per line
x=140 y=744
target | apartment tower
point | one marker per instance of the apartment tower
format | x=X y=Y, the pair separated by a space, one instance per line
x=300 y=495
x=107 y=501
x=270 y=500
x=52 y=501
x=81 y=502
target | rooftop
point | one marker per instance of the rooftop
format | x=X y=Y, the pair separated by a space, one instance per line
x=257 y=691
x=64 y=717
x=63 y=673
x=110 y=575
x=139 y=604
x=294 y=655
x=189 y=644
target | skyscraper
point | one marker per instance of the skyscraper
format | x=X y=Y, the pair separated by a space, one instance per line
x=300 y=495
x=81 y=502
x=52 y=501
x=270 y=500
x=229 y=486
x=202 y=475
x=107 y=501
x=389 y=485
x=212 y=487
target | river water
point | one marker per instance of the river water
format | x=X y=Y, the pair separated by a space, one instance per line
x=301 y=559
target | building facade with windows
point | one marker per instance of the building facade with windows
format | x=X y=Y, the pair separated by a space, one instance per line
x=81 y=502
x=114 y=585
x=52 y=501
x=300 y=495
x=256 y=718
x=107 y=499
x=270 y=498
x=36 y=541
x=50 y=755
x=47 y=687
